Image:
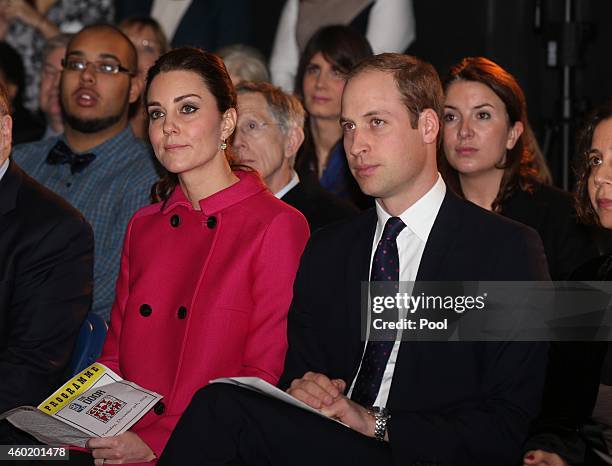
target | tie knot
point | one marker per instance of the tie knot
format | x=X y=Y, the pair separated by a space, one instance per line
x=393 y=227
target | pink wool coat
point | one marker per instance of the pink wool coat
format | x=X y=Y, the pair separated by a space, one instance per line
x=203 y=294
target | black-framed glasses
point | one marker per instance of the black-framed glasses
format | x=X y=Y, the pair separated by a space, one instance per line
x=103 y=67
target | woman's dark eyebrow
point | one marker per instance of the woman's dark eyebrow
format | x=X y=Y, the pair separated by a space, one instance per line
x=182 y=97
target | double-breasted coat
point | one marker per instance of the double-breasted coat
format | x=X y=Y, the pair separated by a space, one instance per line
x=203 y=294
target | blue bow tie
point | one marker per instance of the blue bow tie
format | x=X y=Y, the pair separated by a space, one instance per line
x=61 y=153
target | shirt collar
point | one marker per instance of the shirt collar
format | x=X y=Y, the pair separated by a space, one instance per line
x=295 y=179
x=248 y=185
x=124 y=137
x=4 y=168
x=421 y=215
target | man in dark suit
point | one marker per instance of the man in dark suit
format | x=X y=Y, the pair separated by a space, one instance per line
x=405 y=403
x=46 y=255
x=269 y=133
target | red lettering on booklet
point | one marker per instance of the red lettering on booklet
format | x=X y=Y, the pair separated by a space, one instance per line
x=106 y=409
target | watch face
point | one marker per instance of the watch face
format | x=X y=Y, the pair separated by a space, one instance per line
x=382 y=412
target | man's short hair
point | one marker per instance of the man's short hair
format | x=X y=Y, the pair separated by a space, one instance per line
x=4 y=100
x=417 y=81
x=55 y=42
x=286 y=109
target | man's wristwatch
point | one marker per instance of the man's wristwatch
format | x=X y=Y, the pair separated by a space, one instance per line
x=381 y=416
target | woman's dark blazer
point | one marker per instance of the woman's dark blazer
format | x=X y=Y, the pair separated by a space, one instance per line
x=551 y=213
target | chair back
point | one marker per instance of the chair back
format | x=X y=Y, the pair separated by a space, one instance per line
x=89 y=343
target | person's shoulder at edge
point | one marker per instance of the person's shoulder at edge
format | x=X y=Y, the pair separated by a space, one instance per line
x=483 y=219
x=545 y=196
x=336 y=233
x=514 y=244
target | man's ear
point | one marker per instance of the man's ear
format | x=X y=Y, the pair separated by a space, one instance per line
x=6 y=138
x=293 y=140
x=228 y=123
x=136 y=87
x=429 y=126
x=514 y=134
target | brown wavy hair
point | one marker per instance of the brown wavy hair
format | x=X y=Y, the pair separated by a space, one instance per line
x=216 y=78
x=584 y=208
x=525 y=166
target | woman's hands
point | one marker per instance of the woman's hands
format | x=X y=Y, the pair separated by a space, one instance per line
x=125 y=448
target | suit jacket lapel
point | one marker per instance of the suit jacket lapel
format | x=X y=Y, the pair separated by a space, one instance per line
x=358 y=270
x=440 y=239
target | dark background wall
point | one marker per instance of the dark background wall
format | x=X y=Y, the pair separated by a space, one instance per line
x=507 y=32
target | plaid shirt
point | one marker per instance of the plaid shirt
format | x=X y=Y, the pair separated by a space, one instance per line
x=108 y=192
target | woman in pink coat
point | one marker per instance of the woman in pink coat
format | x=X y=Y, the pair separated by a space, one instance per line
x=207 y=272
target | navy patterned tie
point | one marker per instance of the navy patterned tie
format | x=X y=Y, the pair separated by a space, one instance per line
x=385 y=267
x=60 y=153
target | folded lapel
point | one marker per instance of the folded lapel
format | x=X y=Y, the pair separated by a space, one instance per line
x=440 y=240
x=358 y=270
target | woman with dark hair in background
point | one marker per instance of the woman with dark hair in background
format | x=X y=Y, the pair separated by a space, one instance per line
x=575 y=426
x=321 y=75
x=206 y=272
x=490 y=157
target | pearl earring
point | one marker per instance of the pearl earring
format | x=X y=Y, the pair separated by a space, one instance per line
x=223 y=145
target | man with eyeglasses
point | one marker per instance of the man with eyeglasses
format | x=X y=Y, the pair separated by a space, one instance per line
x=97 y=164
x=269 y=133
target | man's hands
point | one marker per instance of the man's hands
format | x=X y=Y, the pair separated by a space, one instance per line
x=316 y=390
x=125 y=448
x=325 y=394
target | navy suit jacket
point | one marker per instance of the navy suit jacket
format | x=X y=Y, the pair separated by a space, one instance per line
x=450 y=402
x=46 y=260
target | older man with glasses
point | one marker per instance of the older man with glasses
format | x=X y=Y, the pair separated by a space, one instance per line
x=269 y=133
x=97 y=164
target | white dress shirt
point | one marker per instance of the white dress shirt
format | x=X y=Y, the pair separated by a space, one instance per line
x=295 y=179
x=419 y=219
